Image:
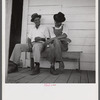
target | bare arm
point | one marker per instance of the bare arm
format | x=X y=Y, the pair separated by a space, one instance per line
x=62 y=36
x=59 y=37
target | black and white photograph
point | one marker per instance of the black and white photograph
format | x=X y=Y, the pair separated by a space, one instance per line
x=50 y=43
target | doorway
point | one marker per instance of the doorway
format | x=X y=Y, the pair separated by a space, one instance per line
x=16 y=24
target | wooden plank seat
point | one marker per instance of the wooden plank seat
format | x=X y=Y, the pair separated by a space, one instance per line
x=66 y=55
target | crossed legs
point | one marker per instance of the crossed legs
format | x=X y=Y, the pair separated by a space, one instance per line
x=36 y=50
x=55 y=55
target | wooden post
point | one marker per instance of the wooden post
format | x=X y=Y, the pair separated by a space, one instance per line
x=24 y=27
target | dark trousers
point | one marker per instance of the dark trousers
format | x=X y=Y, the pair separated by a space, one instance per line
x=54 y=51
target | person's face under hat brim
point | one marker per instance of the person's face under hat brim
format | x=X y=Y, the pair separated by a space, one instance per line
x=35 y=16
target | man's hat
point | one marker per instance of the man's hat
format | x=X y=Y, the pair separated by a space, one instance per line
x=60 y=17
x=35 y=15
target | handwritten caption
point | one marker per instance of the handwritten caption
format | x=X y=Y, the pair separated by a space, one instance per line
x=49 y=84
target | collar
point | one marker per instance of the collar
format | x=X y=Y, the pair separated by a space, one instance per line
x=58 y=27
x=38 y=27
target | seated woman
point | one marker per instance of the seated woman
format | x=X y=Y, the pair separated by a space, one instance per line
x=57 y=43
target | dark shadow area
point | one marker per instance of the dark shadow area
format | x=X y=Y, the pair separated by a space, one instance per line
x=16 y=24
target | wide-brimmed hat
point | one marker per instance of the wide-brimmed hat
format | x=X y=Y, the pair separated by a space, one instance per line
x=60 y=17
x=35 y=15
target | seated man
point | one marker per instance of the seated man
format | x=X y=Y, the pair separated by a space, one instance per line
x=57 y=43
x=36 y=38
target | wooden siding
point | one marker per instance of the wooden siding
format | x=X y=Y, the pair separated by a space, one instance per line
x=63 y=2
x=80 y=19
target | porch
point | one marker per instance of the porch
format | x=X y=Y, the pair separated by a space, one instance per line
x=68 y=76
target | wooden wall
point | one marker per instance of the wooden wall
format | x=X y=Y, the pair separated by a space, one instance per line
x=80 y=15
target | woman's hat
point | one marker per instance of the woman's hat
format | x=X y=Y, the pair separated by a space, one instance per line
x=35 y=15
x=60 y=17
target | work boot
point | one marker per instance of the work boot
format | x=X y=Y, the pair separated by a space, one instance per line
x=61 y=67
x=53 y=71
x=36 y=69
x=12 y=67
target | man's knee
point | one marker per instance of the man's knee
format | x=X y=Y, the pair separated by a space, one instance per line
x=36 y=47
x=56 y=41
x=17 y=45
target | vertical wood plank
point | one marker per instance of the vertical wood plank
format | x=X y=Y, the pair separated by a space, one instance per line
x=24 y=27
x=24 y=21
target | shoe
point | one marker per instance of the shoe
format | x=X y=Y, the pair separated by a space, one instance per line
x=61 y=67
x=53 y=71
x=36 y=70
x=12 y=67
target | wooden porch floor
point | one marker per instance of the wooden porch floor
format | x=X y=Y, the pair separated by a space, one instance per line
x=68 y=76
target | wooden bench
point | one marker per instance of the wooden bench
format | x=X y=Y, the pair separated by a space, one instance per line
x=67 y=56
x=72 y=56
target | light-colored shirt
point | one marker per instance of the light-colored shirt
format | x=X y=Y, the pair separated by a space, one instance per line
x=51 y=31
x=42 y=32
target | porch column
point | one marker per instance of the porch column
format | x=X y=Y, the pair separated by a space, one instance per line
x=24 y=27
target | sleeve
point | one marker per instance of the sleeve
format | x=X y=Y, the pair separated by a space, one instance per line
x=51 y=32
x=46 y=33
